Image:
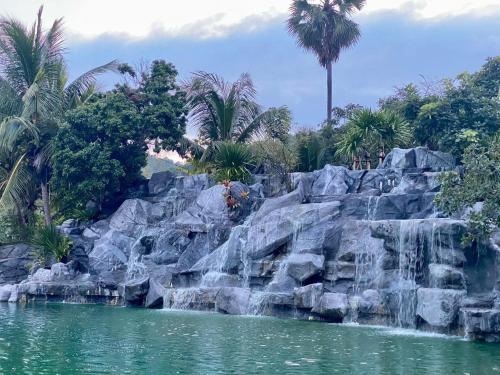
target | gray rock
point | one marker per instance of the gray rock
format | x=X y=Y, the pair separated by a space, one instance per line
x=307 y=296
x=303 y=266
x=419 y=157
x=439 y=307
x=446 y=277
x=233 y=301
x=161 y=182
x=132 y=217
x=279 y=226
x=331 y=180
x=482 y=324
x=332 y=305
x=135 y=291
x=154 y=298
x=15 y=261
x=5 y=292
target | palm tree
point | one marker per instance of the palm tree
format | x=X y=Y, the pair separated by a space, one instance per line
x=227 y=112
x=34 y=95
x=326 y=30
x=368 y=133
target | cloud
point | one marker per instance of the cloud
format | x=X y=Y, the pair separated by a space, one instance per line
x=92 y=18
x=396 y=48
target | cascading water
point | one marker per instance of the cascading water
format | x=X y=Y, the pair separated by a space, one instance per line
x=372 y=207
x=411 y=242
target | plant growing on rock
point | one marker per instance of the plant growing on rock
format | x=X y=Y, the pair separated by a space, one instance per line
x=233 y=162
x=49 y=244
x=480 y=183
x=369 y=133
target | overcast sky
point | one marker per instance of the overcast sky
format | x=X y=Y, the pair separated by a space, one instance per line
x=402 y=41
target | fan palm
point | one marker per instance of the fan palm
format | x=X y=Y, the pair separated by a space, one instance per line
x=227 y=112
x=34 y=94
x=368 y=132
x=326 y=30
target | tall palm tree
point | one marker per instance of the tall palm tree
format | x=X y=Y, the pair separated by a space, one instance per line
x=34 y=94
x=227 y=112
x=325 y=29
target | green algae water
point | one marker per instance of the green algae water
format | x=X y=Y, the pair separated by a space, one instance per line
x=88 y=339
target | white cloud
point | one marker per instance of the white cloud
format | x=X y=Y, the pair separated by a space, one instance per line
x=140 y=18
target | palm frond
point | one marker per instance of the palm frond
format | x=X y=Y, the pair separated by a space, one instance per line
x=16 y=186
x=81 y=86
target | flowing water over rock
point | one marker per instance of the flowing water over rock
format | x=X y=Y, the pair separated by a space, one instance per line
x=343 y=246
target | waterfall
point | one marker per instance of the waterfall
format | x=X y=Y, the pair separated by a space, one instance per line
x=411 y=251
x=372 y=206
x=135 y=268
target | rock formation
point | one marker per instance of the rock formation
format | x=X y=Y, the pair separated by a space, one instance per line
x=344 y=246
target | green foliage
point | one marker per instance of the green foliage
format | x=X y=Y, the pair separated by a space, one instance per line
x=479 y=183
x=454 y=113
x=50 y=244
x=310 y=151
x=34 y=94
x=232 y=162
x=101 y=149
x=274 y=156
x=368 y=133
x=227 y=112
x=324 y=28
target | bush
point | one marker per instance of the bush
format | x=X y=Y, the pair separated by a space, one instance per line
x=233 y=162
x=50 y=244
x=479 y=183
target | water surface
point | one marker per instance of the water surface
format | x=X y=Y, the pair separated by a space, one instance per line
x=89 y=339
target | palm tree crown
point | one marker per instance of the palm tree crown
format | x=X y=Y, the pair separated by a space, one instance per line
x=34 y=94
x=325 y=29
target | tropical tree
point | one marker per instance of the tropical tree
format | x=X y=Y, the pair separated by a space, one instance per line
x=369 y=133
x=227 y=112
x=326 y=30
x=34 y=96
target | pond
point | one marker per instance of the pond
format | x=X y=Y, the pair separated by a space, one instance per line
x=90 y=339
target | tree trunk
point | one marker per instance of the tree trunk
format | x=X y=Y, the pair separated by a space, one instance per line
x=46 y=202
x=329 y=92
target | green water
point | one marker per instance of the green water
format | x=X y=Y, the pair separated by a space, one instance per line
x=76 y=339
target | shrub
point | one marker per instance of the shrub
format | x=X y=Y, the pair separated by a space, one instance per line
x=233 y=162
x=480 y=182
x=49 y=243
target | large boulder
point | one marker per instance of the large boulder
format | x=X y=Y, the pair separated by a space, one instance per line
x=332 y=306
x=135 y=291
x=482 y=324
x=419 y=157
x=303 y=266
x=161 y=182
x=233 y=301
x=14 y=263
x=132 y=217
x=154 y=298
x=331 y=180
x=307 y=296
x=439 y=307
x=446 y=277
x=5 y=292
x=281 y=225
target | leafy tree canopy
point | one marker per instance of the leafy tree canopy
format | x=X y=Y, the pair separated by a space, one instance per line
x=101 y=149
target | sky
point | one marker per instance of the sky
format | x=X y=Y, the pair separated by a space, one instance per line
x=402 y=41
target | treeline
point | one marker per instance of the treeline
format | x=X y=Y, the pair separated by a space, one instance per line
x=69 y=151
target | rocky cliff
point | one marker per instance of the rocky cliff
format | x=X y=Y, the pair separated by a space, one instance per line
x=344 y=246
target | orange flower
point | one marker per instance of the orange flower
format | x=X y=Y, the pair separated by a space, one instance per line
x=226 y=183
x=244 y=194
